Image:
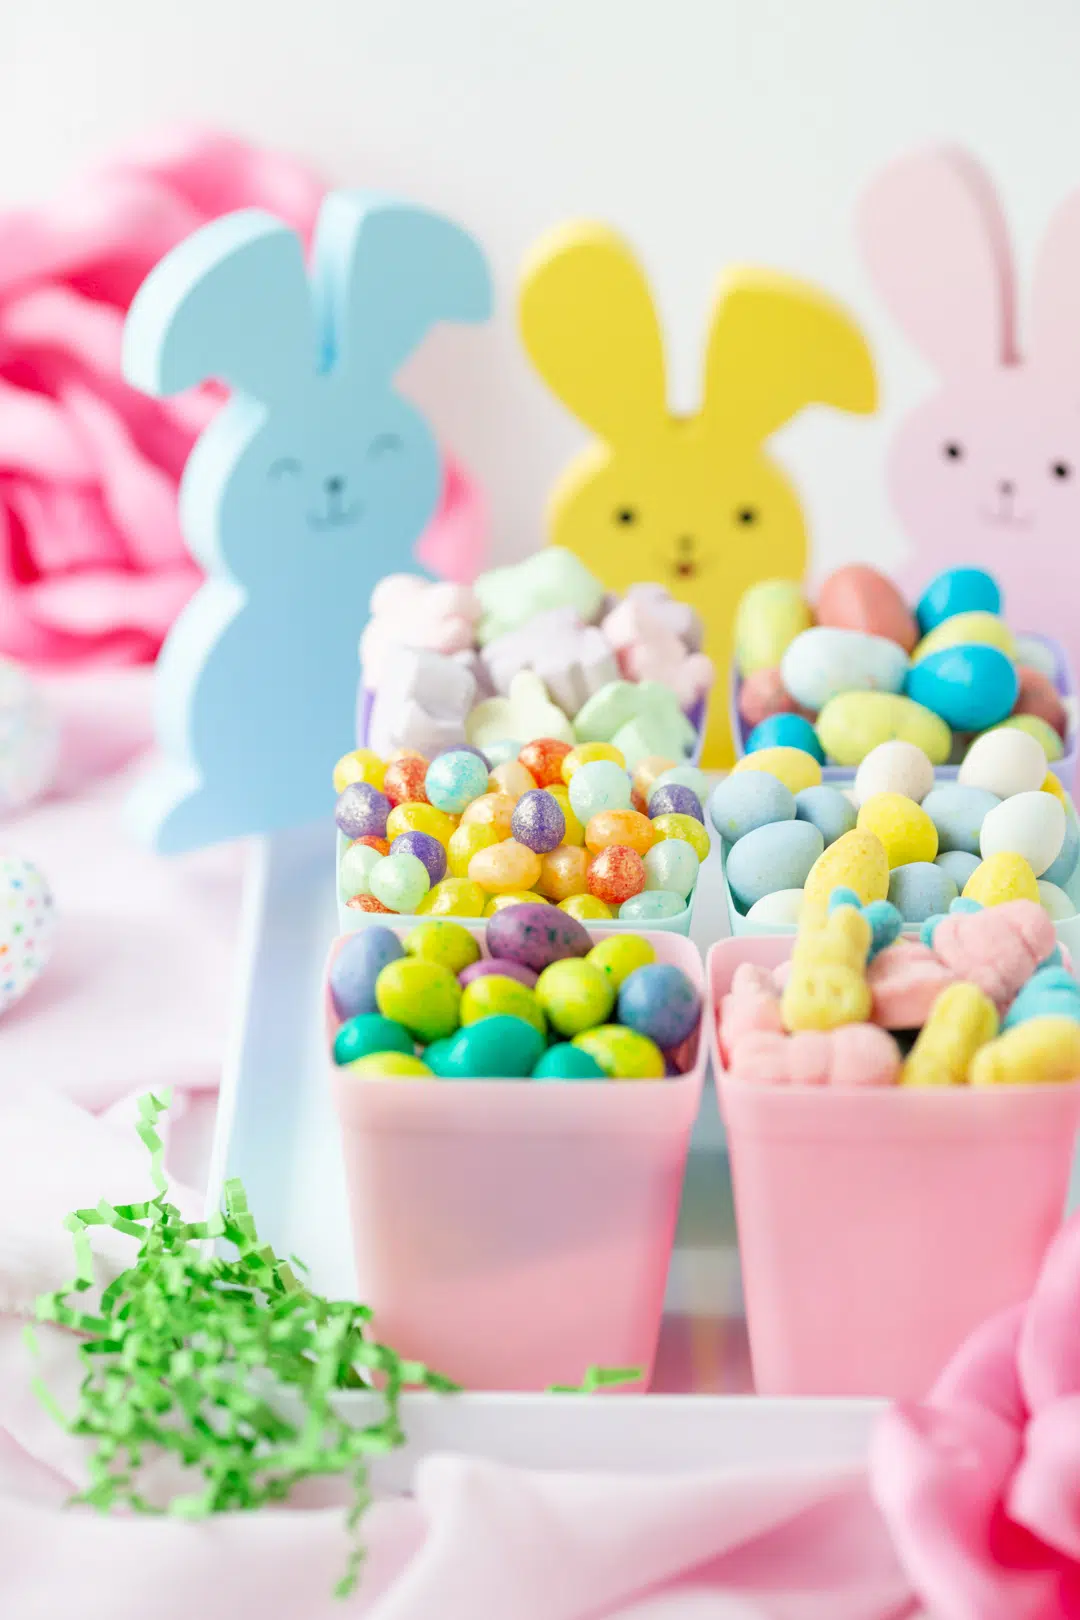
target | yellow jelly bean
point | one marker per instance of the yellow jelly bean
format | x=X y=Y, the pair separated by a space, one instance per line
x=516 y=897
x=453 y=897
x=505 y=866
x=360 y=765
x=388 y=1066
x=626 y=827
x=585 y=753
x=856 y=861
x=985 y=628
x=1002 y=877
x=464 y=843
x=903 y=826
x=1040 y=729
x=792 y=766
x=1052 y=785
x=575 y=832
x=513 y=778
x=622 y=1053
x=493 y=810
x=853 y=723
x=494 y=994
x=586 y=908
x=418 y=817
x=961 y=1020
x=620 y=955
x=563 y=872
x=768 y=618
x=827 y=983
x=688 y=828
x=1037 y=1052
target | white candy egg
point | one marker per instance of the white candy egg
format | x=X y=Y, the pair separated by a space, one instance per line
x=779 y=910
x=1004 y=762
x=1027 y=824
x=894 y=767
x=1056 y=901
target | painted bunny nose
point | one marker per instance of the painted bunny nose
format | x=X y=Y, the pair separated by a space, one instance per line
x=335 y=485
x=1006 y=486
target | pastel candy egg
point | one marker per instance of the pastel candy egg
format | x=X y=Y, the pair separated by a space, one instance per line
x=501 y=752
x=356 y=966
x=596 y=786
x=564 y=1061
x=536 y=935
x=686 y=828
x=648 y=773
x=538 y=821
x=627 y=827
x=958 y=813
x=620 y=955
x=768 y=617
x=492 y=994
x=1003 y=762
x=494 y=810
x=575 y=994
x=957 y=590
x=853 y=723
x=370 y=1032
x=447 y=943
x=1001 y=877
x=423 y=996
x=1050 y=784
x=795 y=768
x=590 y=753
x=573 y=832
x=652 y=905
x=586 y=908
x=399 y=881
x=822 y=663
x=500 y=1046
x=426 y=849
x=359 y=765
x=903 y=827
x=465 y=842
x=987 y=628
x=761 y=694
x=786 y=731
x=686 y=776
x=660 y=1001
x=622 y=1053
x=361 y=811
x=673 y=865
x=416 y=816
x=543 y=759
x=748 y=799
x=367 y=902
x=920 y=890
x=453 y=897
x=894 y=767
x=390 y=1066
x=562 y=872
x=970 y=686
x=1044 y=735
x=860 y=598
x=1034 y=653
x=958 y=864
x=513 y=897
x=857 y=861
x=1028 y=824
x=781 y=909
x=355 y=868
x=1055 y=901
x=672 y=798
x=513 y=778
x=827 y=809
x=615 y=874
x=505 y=866
x=778 y=856
x=1062 y=868
x=500 y=965
x=1039 y=696
x=454 y=778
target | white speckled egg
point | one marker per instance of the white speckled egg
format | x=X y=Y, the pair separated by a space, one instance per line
x=894 y=767
x=823 y=662
x=1056 y=901
x=1027 y=824
x=1004 y=761
x=778 y=910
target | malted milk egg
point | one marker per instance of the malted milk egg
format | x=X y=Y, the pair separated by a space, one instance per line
x=1004 y=761
x=1027 y=824
x=894 y=767
x=1055 y=901
x=778 y=910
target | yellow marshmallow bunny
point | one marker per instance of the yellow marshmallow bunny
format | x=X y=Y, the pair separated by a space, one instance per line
x=827 y=985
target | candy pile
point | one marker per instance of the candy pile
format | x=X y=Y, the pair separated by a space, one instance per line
x=1001 y=832
x=870 y=668
x=470 y=831
x=984 y=998
x=545 y=1003
x=535 y=650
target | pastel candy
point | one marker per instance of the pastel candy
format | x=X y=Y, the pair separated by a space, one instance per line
x=748 y=799
x=413 y=612
x=678 y=617
x=1028 y=824
x=979 y=629
x=527 y=712
x=29 y=738
x=854 y=1055
x=792 y=766
x=894 y=767
x=1050 y=992
x=822 y=663
x=958 y=813
x=763 y=693
x=958 y=865
x=961 y=1021
x=827 y=984
x=1032 y=726
x=779 y=855
x=1003 y=762
x=860 y=598
x=421 y=703
x=649 y=649
x=654 y=733
x=769 y=616
x=613 y=706
x=1055 y=901
x=955 y=591
x=903 y=827
x=997 y=949
x=572 y=658
x=855 y=861
x=905 y=980
x=827 y=809
x=921 y=889
x=786 y=731
x=853 y=723
x=781 y=909
x=751 y=1005
x=1039 y=696
x=970 y=686
x=1032 y=652
x=1001 y=878
x=1042 y=1051
x=551 y=578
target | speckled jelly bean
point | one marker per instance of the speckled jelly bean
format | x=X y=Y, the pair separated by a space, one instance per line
x=500 y=965
x=586 y=908
x=622 y=1053
x=513 y=897
x=505 y=866
x=493 y=994
x=615 y=874
x=453 y=897
x=465 y=841
x=500 y=1046
x=389 y=1066
x=660 y=1001
x=652 y=905
x=672 y=798
x=536 y=935
x=399 y=881
x=454 y=779
x=356 y=966
x=597 y=786
x=355 y=868
x=368 y=902
x=566 y=1062
x=620 y=955
x=538 y=821
x=423 y=996
x=370 y=1032
x=361 y=809
x=921 y=889
x=543 y=758
x=562 y=873
x=494 y=810
x=619 y=827
x=685 y=827
x=512 y=778
x=447 y=943
x=403 y=781
x=589 y=753
x=575 y=994
x=426 y=849
x=904 y=828
x=573 y=832
x=359 y=765
x=416 y=816
x=673 y=865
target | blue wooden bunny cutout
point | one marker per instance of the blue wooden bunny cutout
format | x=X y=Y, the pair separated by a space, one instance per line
x=313 y=481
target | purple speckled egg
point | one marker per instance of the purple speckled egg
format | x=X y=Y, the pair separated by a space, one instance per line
x=426 y=849
x=536 y=935
x=501 y=965
x=675 y=799
x=361 y=811
x=538 y=821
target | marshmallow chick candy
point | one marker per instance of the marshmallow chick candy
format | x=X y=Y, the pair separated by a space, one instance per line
x=962 y=1020
x=526 y=713
x=827 y=984
x=1039 y=1052
x=851 y=1056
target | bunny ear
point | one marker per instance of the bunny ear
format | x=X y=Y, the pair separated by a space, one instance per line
x=937 y=247
x=588 y=323
x=775 y=345
x=384 y=274
x=230 y=302
x=1053 y=337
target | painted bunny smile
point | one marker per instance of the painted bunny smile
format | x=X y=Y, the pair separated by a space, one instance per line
x=336 y=516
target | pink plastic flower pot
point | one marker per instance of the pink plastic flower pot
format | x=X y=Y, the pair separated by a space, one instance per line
x=878 y=1228
x=513 y=1233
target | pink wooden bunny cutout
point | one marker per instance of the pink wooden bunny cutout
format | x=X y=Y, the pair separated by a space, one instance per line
x=987 y=470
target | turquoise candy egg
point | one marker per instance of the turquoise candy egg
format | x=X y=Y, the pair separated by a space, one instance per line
x=971 y=686
x=652 y=905
x=367 y=1033
x=958 y=864
x=958 y=813
x=1051 y=992
x=827 y=809
x=598 y=786
x=1061 y=870
x=920 y=890
x=400 y=881
x=454 y=779
x=502 y=752
x=501 y=1047
x=746 y=800
x=659 y=1001
x=957 y=590
x=671 y=864
x=786 y=731
x=777 y=856
x=566 y=1062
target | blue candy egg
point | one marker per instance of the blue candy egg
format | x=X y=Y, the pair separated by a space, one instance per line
x=959 y=865
x=748 y=799
x=957 y=590
x=786 y=731
x=455 y=778
x=1061 y=870
x=357 y=965
x=921 y=890
x=652 y=905
x=777 y=856
x=971 y=686
x=958 y=813
x=659 y=1001
x=827 y=809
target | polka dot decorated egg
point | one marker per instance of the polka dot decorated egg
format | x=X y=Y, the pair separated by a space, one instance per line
x=27 y=927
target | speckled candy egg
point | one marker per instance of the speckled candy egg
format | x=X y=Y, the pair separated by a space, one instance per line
x=778 y=856
x=543 y=758
x=494 y=810
x=615 y=874
x=1028 y=824
x=1001 y=877
x=403 y=782
x=620 y=954
x=27 y=926
x=492 y=994
x=423 y=996
x=903 y=827
x=672 y=865
x=498 y=1047
x=566 y=1062
x=827 y=809
x=562 y=872
x=958 y=813
x=768 y=617
x=850 y=725
x=971 y=686
x=502 y=752
x=957 y=590
x=920 y=890
x=536 y=935
x=672 y=798
x=501 y=966
x=1003 y=762
x=504 y=867
x=1060 y=871
x=894 y=767
x=512 y=778
x=821 y=663
x=447 y=943
x=780 y=910
x=652 y=905
x=465 y=842
x=860 y=598
x=959 y=865
x=355 y=868
x=453 y=897
x=794 y=767
x=622 y=1053
x=575 y=994
x=538 y=821
x=596 y=786
x=1034 y=726
x=688 y=776
x=856 y=861
x=786 y=731
x=426 y=849
x=586 y=908
x=418 y=816
x=748 y=799
x=361 y=811
x=660 y=1001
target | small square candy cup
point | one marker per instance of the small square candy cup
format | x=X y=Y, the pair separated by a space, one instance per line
x=513 y=1234
x=1064 y=679
x=878 y=1228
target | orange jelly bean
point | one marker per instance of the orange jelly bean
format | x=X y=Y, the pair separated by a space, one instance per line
x=512 y=778
x=368 y=902
x=615 y=874
x=505 y=866
x=563 y=872
x=543 y=758
x=626 y=827
x=372 y=842
x=404 y=781
x=494 y=810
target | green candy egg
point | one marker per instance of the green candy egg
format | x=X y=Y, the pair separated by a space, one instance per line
x=370 y=1032
x=567 y=1062
x=424 y=996
x=622 y=1053
x=620 y=955
x=499 y=1047
x=493 y=994
x=390 y=1066
x=447 y=943
x=576 y=995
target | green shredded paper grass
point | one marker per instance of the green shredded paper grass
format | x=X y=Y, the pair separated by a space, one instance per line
x=172 y=1350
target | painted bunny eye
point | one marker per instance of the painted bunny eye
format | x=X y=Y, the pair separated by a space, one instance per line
x=626 y=514
x=746 y=514
x=284 y=464
x=383 y=444
x=1061 y=469
x=953 y=451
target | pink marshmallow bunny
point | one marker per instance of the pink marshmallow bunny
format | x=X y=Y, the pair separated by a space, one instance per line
x=905 y=980
x=986 y=471
x=408 y=611
x=997 y=949
x=854 y=1055
x=751 y=1006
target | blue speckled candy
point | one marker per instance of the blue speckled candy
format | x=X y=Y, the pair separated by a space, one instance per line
x=465 y=748
x=357 y=965
x=1062 y=868
x=502 y=752
x=827 y=809
x=746 y=800
x=597 y=786
x=651 y=905
x=538 y=821
x=426 y=849
x=361 y=811
x=920 y=890
x=777 y=856
x=972 y=686
x=672 y=799
x=957 y=590
x=958 y=813
x=786 y=731
x=671 y=864
x=455 y=778
x=659 y=1001
x=1051 y=992
x=958 y=864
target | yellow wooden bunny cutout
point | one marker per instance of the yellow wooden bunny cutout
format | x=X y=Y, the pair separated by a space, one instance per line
x=692 y=501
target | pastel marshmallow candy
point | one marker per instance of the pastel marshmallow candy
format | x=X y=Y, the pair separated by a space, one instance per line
x=852 y=1056
x=408 y=610
x=421 y=702
x=551 y=578
x=650 y=650
x=750 y=1006
x=1004 y=761
x=572 y=658
x=997 y=949
x=526 y=712
x=905 y=980
x=679 y=617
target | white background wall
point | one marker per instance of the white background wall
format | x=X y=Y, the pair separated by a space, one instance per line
x=708 y=130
